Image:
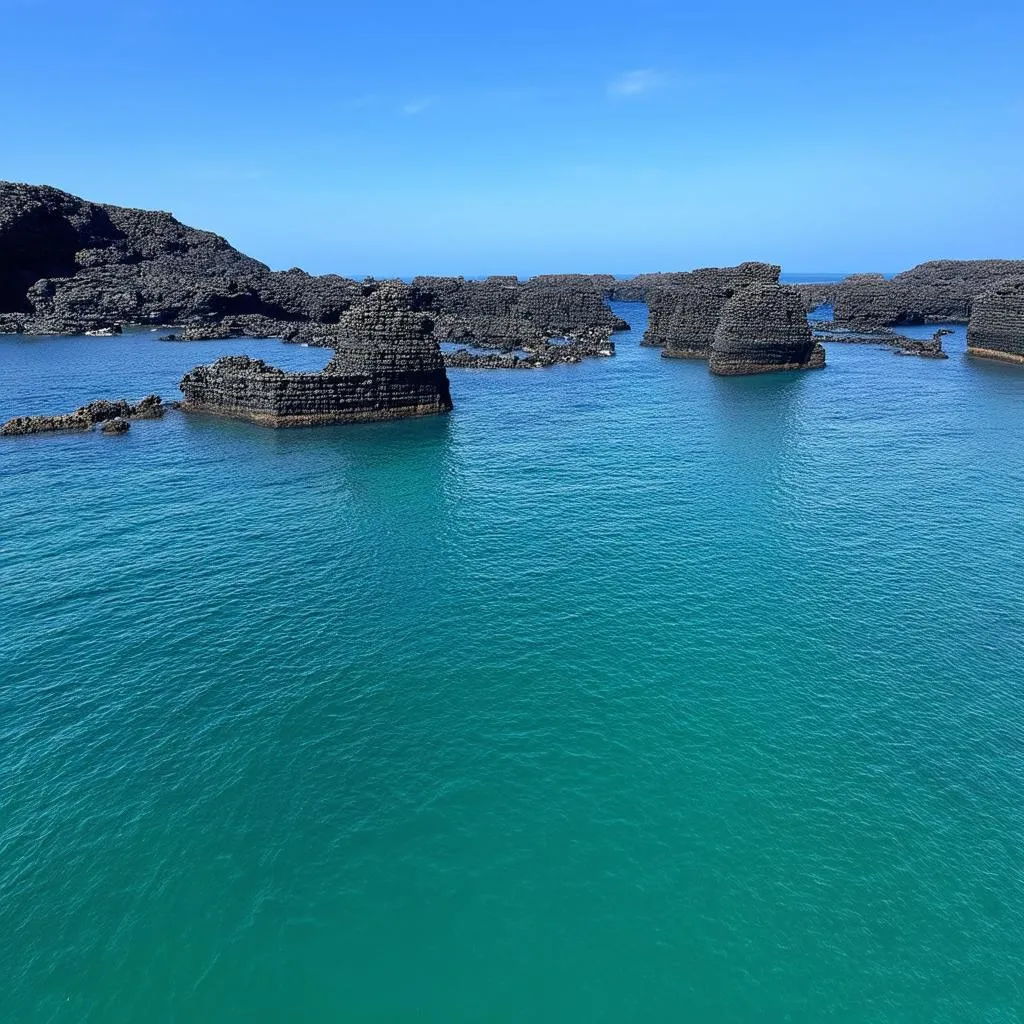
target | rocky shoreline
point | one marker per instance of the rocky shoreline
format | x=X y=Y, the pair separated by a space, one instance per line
x=69 y=266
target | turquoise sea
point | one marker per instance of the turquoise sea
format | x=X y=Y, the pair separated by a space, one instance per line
x=624 y=693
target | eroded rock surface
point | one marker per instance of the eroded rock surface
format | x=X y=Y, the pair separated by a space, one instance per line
x=684 y=315
x=387 y=365
x=996 y=328
x=940 y=290
x=69 y=266
x=763 y=328
x=102 y=411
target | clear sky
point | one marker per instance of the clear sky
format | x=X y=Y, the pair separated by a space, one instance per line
x=442 y=137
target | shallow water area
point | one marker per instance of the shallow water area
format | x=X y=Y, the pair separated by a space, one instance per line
x=624 y=692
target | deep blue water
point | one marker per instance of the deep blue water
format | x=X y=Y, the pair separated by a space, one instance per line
x=624 y=693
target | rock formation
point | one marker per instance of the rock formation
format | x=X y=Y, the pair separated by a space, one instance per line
x=505 y=313
x=684 y=315
x=763 y=328
x=941 y=290
x=68 y=266
x=386 y=366
x=88 y=416
x=996 y=328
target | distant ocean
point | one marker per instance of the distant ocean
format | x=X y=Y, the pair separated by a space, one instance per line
x=624 y=693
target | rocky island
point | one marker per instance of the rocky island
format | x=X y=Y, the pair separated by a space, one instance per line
x=386 y=366
x=763 y=329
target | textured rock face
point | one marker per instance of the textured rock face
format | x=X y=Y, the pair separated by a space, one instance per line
x=936 y=291
x=762 y=329
x=505 y=313
x=386 y=366
x=684 y=316
x=68 y=266
x=996 y=328
x=101 y=411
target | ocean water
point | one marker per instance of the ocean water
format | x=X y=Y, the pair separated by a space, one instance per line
x=624 y=693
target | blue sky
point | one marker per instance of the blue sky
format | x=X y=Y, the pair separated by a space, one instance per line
x=443 y=137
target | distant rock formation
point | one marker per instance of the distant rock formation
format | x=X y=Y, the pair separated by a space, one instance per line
x=941 y=290
x=684 y=315
x=763 y=328
x=996 y=328
x=69 y=266
x=386 y=366
x=505 y=313
x=88 y=416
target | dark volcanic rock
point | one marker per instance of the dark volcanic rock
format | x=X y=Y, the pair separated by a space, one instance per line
x=764 y=328
x=996 y=328
x=386 y=366
x=941 y=290
x=684 y=316
x=85 y=418
x=117 y=425
x=537 y=355
x=505 y=313
x=68 y=266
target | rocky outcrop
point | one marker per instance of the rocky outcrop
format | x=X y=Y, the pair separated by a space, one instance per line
x=386 y=365
x=884 y=337
x=763 y=328
x=85 y=418
x=535 y=356
x=69 y=266
x=118 y=425
x=941 y=290
x=684 y=316
x=996 y=328
x=505 y=313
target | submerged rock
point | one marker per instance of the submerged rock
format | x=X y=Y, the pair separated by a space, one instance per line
x=102 y=411
x=996 y=328
x=763 y=329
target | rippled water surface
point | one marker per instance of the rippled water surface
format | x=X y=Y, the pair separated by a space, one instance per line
x=624 y=693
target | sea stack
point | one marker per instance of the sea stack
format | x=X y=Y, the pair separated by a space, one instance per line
x=763 y=329
x=996 y=328
x=684 y=314
x=386 y=366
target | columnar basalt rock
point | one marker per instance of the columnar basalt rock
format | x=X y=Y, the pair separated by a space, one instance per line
x=684 y=316
x=763 y=329
x=941 y=290
x=507 y=314
x=996 y=328
x=386 y=366
x=102 y=411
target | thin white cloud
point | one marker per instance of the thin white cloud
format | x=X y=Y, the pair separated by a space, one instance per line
x=637 y=83
x=417 y=106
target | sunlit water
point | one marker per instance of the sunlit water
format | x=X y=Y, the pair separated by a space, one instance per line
x=624 y=693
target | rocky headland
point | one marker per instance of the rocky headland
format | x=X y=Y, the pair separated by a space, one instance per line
x=112 y=416
x=387 y=365
x=763 y=328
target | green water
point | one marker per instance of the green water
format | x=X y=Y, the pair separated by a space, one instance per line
x=624 y=693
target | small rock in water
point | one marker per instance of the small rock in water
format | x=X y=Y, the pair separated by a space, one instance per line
x=118 y=425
